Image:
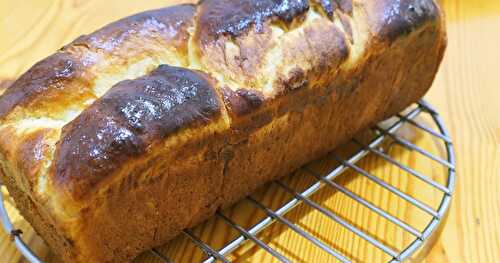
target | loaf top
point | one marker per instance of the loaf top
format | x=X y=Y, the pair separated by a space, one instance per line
x=71 y=121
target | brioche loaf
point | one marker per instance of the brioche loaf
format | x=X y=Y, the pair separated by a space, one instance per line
x=126 y=136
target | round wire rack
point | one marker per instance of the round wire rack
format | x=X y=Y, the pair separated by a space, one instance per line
x=374 y=145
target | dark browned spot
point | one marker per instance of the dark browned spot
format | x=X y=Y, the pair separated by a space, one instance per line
x=296 y=79
x=327 y=7
x=398 y=18
x=330 y=6
x=129 y=118
x=242 y=101
x=234 y=17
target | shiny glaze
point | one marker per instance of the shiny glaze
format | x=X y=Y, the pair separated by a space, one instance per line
x=400 y=17
x=128 y=119
x=234 y=17
x=329 y=6
x=54 y=72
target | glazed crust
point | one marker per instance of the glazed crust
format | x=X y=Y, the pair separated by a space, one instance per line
x=129 y=118
x=128 y=135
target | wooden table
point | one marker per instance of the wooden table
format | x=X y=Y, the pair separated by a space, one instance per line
x=466 y=92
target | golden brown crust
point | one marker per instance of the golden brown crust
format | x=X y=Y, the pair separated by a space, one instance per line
x=276 y=74
x=162 y=192
x=29 y=154
x=39 y=220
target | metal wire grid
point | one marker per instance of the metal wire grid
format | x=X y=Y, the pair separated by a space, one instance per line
x=277 y=215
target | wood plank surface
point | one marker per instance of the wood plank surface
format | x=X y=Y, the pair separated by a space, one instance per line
x=466 y=93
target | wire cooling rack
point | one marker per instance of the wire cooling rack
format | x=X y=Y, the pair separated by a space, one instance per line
x=380 y=135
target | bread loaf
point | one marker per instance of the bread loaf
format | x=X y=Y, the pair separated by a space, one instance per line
x=126 y=136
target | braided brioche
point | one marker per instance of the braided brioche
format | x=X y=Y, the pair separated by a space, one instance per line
x=126 y=136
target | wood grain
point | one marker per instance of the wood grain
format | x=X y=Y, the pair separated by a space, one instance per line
x=466 y=92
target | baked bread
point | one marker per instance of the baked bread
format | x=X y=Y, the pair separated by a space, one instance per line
x=126 y=136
